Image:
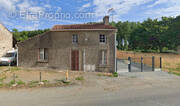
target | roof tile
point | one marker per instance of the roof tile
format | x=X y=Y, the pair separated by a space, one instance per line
x=82 y=26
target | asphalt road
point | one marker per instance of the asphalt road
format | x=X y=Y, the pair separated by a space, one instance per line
x=130 y=97
x=139 y=90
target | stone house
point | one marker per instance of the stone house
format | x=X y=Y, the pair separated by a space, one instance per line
x=6 y=40
x=80 y=47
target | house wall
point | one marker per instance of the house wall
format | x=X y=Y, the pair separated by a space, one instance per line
x=6 y=40
x=59 y=45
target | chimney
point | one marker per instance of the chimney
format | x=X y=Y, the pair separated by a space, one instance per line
x=106 y=20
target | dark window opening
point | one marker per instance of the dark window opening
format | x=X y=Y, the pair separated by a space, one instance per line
x=75 y=38
x=102 y=38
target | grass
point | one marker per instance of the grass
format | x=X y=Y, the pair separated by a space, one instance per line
x=1 y=85
x=105 y=75
x=12 y=82
x=115 y=74
x=2 y=79
x=79 y=78
x=175 y=73
x=20 y=82
x=14 y=69
x=62 y=81
x=45 y=81
x=33 y=83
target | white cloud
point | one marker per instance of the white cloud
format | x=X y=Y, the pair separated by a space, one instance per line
x=158 y=2
x=47 y=6
x=85 y=6
x=120 y=6
x=9 y=5
x=36 y=9
x=24 y=5
x=172 y=8
x=31 y=8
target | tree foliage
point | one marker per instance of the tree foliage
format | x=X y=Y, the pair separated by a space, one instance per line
x=149 y=35
x=24 y=35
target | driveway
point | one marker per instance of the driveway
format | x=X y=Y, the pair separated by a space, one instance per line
x=129 y=89
x=122 y=66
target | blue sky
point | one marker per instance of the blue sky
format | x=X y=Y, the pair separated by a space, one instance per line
x=41 y=14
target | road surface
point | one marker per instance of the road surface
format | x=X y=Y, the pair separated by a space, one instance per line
x=137 y=89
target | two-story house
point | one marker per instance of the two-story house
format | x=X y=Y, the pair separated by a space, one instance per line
x=81 y=47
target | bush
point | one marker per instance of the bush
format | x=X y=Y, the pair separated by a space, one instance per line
x=12 y=82
x=115 y=74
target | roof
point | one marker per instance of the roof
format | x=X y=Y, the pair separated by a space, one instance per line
x=82 y=27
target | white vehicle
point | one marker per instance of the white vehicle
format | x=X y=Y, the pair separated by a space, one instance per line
x=10 y=58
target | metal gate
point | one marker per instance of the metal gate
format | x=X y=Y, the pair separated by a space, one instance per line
x=139 y=64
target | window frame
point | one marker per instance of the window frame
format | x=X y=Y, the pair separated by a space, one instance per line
x=75 y=38
x=102 y=38
x=44 y=52
x=104 y=57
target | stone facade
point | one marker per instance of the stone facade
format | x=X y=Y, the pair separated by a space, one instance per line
x=59 y=50
x=59 y=46
x=6 y=40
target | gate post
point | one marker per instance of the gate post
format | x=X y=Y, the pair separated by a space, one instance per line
x=142 y=68
x=129 y=64
x=160 y=62
x=153 y=63
x=116 y=65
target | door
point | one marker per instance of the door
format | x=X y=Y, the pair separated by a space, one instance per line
x=75 y=60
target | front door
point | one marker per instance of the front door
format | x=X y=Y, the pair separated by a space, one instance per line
x=75 y=60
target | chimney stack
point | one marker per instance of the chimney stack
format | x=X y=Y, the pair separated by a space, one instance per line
x=106 y=20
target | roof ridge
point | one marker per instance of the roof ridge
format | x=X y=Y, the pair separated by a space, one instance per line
x=79 y=24
x=82 y=26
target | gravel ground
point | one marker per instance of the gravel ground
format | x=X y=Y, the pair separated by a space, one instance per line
x=129 y=89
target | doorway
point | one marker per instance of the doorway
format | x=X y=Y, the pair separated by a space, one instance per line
x=75 y=60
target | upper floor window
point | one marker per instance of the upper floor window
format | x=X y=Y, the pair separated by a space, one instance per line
x=102 y=39
x=43 y=54
x=75 y=38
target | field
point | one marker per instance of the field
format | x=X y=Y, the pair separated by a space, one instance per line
x=170 y=62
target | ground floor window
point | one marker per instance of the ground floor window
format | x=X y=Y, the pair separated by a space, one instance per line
x=43 y=54
x=103 y=60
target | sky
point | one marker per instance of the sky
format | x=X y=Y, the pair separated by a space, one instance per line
x=42 y=14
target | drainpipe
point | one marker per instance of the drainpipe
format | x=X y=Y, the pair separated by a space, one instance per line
x=84 y=59
x=115 y=53
x=17 y=57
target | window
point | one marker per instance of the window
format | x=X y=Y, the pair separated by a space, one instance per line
x=75 y=38
x=102 y=38
x=103 y=57
x=43 y=54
